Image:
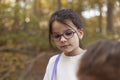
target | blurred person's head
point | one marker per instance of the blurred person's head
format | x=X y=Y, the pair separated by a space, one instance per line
x=101 y=61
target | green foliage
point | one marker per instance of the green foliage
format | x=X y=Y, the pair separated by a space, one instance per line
x=30 y=39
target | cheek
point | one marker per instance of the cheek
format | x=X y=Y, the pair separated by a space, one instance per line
x=75 y=41
x=56 y=43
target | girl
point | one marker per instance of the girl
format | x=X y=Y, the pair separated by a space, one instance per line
x=65 y=29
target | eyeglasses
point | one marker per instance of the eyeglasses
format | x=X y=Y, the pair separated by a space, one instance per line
x=67 y=35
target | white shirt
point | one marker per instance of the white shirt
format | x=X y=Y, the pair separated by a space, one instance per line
x=67 y=67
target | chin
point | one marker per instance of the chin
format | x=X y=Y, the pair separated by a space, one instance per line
x=67 y=51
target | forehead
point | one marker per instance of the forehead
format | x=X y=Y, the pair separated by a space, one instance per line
x=60 y=27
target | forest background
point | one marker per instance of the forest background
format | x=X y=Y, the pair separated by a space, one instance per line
x=24 y=45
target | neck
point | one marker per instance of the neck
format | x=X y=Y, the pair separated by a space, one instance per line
x=74 y=52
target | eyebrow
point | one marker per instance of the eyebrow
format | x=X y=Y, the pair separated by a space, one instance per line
x=63 y=31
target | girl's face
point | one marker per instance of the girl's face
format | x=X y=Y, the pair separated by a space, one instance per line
x=66 y=38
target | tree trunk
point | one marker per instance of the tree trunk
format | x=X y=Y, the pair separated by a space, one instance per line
x=24 y=27
x=119 y=9
x=110 y=7
x=34 y=7
x=100 y=18
x=16 y=18
x=70 y=4
x=59 y=4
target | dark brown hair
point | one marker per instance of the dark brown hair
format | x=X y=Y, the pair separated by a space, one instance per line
x=101 y=61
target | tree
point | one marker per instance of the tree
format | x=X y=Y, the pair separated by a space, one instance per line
x=59 y=4
x=16 y=18
x=98 y=4
x=110 y=16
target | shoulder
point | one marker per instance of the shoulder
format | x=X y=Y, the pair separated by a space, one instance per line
x=52 y=59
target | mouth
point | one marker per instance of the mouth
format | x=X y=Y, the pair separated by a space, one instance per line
x=65 y=46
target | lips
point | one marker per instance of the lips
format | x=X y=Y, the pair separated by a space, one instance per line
x=65 y=46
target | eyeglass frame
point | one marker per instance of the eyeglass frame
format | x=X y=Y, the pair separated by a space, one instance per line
x=63 y=34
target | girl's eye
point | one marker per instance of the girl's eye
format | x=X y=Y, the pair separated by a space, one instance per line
x=68 y=33
x=56 y=36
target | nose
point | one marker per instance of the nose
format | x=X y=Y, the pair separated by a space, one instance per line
x=62 y=39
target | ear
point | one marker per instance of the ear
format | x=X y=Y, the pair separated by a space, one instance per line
x=80 y=33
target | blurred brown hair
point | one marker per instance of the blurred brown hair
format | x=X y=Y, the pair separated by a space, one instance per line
x=101 y=61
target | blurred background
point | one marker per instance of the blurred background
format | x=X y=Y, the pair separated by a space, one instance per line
x=24 y=45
